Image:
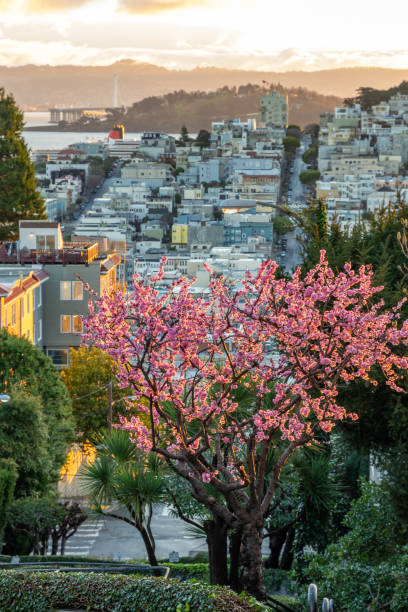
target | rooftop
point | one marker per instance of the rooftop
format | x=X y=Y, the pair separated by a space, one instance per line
x=71 y=253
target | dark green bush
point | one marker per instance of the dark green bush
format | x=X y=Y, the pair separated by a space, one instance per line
x=42 y=592
x=367 y=568
x=275 y=579
x=187 y=571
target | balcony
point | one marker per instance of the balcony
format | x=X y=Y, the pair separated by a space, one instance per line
x=70 y=254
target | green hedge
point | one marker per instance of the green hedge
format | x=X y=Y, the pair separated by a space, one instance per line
x=182 y=571
x=43 y=592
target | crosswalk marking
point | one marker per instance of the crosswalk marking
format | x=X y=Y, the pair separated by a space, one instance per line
x=83 y=540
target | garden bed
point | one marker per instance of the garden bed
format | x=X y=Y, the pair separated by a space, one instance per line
x=42 y=592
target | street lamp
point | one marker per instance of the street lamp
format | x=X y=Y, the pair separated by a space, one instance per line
x=4 y=398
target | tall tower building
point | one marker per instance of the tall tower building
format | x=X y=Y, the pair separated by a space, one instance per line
x=273 y=108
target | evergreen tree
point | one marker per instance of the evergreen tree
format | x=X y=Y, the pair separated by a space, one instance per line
x=383 y=413
x=19 y=198
x=184 y=137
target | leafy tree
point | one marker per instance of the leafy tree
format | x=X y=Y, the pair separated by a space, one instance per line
x=40 y=167
x=36 y=518
x=313 y=221
x=24 y=436
x=178 y=171
x=89 y=374
x=291 y=144
x=22 y=363
x=122 y=475
x=8 y=478
x=310 y=155
x=203 y=138
x=309 y=176
x=352 y=570
x=282 y=224
x=68 y=525
x=184 y=137
x=185 y=357
x=313 y=130
x=317 y=486
x=19 y=198
x=383 y=413
x=293 y=131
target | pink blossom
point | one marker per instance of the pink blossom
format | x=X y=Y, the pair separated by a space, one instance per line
x=186 y=357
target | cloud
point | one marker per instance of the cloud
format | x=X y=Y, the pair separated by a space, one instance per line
x=50 y=6
x=155 y=6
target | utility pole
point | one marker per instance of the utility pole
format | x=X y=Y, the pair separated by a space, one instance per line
x=110 y=404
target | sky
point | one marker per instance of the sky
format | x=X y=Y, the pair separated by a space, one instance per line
x=248 y=34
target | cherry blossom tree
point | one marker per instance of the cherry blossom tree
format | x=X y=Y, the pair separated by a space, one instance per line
x=186 y=357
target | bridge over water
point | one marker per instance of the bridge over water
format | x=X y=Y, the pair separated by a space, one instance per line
x=73 y=114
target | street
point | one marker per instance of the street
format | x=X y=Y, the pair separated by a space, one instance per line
x=69 y=226
x=108 y=537
x=296 y=199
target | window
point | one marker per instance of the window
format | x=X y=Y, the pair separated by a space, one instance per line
x=38 y=296
x=71 y=290
x=45 y=243
x=58 y=356
x=22 y=307
x=28 y=303
x=71 y=324
x=77 y=324
x=77 y=290
x=13 y=314
x=65 y=290
x=65 y=324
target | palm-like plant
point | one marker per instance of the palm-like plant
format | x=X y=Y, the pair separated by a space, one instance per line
x=122 y=477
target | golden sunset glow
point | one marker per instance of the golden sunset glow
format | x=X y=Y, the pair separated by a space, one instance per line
x=239 y=34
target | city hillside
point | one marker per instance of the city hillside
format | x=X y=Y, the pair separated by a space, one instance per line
x=198 y=109
x=41 y=87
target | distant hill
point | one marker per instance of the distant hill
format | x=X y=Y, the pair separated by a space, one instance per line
x=198 y=109
x=42 y=87
x=368 y=96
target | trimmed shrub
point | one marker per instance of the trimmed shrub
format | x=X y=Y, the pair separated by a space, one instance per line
x=42 y=592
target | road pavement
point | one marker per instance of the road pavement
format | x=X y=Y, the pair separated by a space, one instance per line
x=296 y=198
x=69 y=226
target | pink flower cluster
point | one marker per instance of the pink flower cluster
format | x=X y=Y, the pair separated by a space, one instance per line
x=185 y=357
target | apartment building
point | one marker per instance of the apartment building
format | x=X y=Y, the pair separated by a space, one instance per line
x=21 y=299
x=64 y=299
x=273 y=109
x=367 y=165
x=153 y=175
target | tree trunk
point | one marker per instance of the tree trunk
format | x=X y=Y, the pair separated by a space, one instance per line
x=276 y=541
x=63 y=542
x=54 y=546
x=148 y=545
x=287 y=554
x=252 y=570
x=235 y=559
x=216 y=531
